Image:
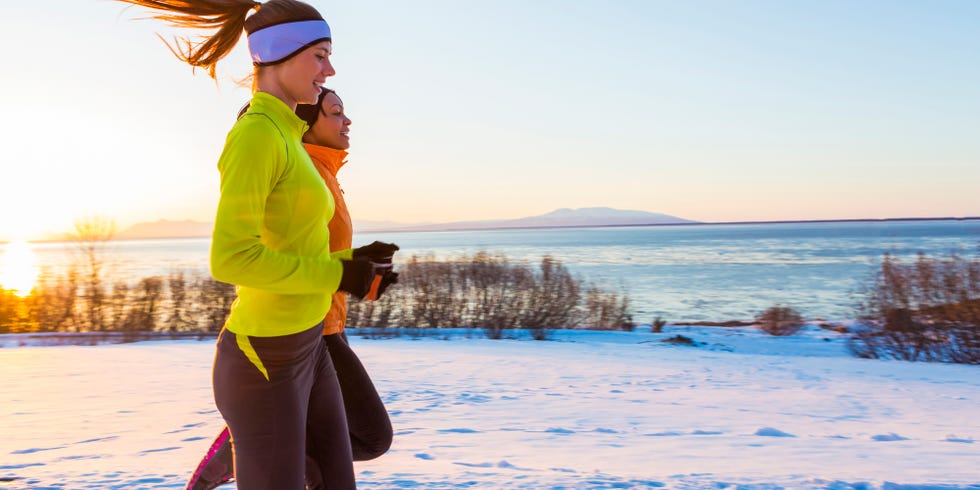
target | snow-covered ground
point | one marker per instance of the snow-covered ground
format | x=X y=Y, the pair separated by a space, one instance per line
x=586 y=410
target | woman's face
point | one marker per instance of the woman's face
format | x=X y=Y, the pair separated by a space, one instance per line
x=299 y=78
x=331 y=126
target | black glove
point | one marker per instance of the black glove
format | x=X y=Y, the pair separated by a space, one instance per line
x=357 y=277
x=390 y=277
x=377 y=252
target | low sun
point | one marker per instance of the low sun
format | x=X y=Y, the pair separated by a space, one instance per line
x=18 y=268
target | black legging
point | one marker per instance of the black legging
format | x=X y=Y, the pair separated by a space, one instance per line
x=280 y=395
x=367 y=419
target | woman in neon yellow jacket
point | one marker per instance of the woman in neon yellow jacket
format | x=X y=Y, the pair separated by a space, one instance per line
x=368 y=423
x=273 y=379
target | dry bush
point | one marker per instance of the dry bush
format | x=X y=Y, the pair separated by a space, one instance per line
x=657 y=325
x=438 y=298
x=606 y=311
x=484 y=291
x=927 y=310
x=552 y=300
x=178 y=318
x=51 y=305
x=91 y=238
x=211 y=302
x=780 y=320
x=11 y=318
x=499 y=293
x=144 y=306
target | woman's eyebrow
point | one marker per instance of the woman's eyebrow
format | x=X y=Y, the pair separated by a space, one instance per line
x=337 y=106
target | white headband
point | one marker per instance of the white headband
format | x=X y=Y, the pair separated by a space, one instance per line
x=274 y=43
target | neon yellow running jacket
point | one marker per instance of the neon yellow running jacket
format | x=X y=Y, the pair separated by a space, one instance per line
x=270 y=236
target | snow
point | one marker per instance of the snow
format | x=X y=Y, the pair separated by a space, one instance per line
x=739 y=409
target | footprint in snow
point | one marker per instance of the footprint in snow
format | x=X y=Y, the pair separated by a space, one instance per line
x=36 y=450
x=459 y=431
x=502 y=464
x=559 y=430
x=700 y=432
x=772 y=432
x=889 y=437
x=158 y=450
x=964 y=440
x=98 y=439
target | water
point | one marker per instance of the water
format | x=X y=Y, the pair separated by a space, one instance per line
x=681 y=273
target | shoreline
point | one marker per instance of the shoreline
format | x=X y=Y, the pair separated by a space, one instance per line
x=435 y=228
x=56 y=339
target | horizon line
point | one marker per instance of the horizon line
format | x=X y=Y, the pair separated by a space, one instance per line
x=545 y=227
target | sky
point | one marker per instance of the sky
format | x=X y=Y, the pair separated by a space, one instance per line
x=710 y=110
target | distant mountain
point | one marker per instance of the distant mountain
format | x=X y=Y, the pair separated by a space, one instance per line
x=561 y=217
x=557 y=218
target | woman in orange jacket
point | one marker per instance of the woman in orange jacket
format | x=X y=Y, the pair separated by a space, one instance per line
x=369 y=426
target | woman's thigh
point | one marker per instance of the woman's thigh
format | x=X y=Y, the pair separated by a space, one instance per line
x=328 y=442
x=367 y=418
x=262 y=388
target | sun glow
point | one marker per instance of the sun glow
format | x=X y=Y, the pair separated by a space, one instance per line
x=18 y=268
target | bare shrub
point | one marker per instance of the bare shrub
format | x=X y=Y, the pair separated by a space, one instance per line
x=927 y=310
x=438 y=297
x=11 y=320
x=90 y=239
x=682 y=340
x=606 y=311
x=118 y=306
x=780 y=320
x=499 y=292
x=143 y=312
x=375 y=319
x=552 y=300
x=484 y=291
x=178 y=319
x=213 y=302
x=657 y=325
x=51 y=305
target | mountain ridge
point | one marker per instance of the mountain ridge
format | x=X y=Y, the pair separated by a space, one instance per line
x=563 y=217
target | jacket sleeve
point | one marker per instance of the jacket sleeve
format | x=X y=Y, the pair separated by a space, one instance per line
x=253 y=160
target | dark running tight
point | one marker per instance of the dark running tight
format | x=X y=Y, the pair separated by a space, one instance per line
x=367 y=419
x=280 y=396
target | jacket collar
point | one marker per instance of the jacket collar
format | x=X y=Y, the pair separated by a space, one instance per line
x=333 y=159
x=281 y=113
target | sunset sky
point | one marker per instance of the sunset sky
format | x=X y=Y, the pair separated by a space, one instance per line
x=465 y=110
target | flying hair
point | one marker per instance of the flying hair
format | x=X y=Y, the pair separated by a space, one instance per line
x=228 y=18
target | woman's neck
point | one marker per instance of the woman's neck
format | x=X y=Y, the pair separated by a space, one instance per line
x=264 y=82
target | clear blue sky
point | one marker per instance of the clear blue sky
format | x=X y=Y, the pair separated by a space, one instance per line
x=708 y=110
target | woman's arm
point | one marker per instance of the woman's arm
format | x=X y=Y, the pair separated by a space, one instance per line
x=251 y=164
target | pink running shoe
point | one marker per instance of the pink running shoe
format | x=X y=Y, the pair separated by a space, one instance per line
x=217 y=467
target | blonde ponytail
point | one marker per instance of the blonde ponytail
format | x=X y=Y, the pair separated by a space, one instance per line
x=227 y=16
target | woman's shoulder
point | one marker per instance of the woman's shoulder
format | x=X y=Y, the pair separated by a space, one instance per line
x=257 y=129
x=258 y=123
